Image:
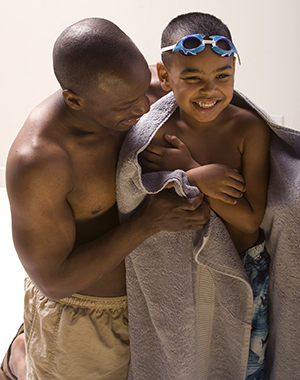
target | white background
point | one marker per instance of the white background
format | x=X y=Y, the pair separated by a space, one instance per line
x=265 y=32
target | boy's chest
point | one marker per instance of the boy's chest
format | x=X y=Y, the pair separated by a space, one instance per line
x=207 y=146
x=214 y=149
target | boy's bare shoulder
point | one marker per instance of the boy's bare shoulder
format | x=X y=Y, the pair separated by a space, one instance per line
x=247 y=116
x=249 y=122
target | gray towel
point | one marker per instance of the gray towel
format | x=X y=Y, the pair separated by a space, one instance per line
x=190 y=302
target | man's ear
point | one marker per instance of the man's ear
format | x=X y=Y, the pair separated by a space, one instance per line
x=163 y=76
x=74 y=101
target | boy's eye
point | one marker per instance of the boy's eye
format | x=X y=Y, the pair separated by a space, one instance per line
x=192 y=79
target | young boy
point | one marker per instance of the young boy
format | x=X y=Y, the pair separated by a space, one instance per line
x=223 y=149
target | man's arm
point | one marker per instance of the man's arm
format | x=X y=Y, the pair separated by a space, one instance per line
x=44 y=228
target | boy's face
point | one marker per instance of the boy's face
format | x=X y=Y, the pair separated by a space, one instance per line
x=202 y=84
x=119 y=101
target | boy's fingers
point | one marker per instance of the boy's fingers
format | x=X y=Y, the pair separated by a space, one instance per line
x=150 y=156
x=174 y=140
x=155 y=149
x=227 y=199
x=236 y=175
x=236 y=184
x=234 y=193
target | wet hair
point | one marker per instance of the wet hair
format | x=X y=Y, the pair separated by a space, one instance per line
x=191 y=23
x=90 y=48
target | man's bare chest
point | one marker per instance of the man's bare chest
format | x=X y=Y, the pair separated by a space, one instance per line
x=93 y=183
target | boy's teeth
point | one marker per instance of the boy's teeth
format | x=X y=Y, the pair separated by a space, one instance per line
x=206 y=105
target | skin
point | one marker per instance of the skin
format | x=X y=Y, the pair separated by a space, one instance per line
x=61 y=184
x=223 y=149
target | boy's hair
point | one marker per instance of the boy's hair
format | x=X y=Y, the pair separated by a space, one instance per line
x=191 y=23
x=89 y=48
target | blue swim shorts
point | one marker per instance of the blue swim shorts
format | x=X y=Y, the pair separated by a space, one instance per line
x=256 y=262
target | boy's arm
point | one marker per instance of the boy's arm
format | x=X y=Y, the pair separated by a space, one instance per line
x=238 y=199
x=248 y=212
x=215 y=180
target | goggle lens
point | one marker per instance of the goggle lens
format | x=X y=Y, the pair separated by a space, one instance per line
x=224 y=44
x=192 y=43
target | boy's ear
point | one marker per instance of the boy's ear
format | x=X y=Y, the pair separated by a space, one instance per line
x=163 y=76
x=74 y=101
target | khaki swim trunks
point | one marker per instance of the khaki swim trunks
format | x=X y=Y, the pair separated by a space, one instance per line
x=79 y=337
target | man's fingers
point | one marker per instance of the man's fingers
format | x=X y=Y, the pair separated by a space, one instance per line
x=191 y=204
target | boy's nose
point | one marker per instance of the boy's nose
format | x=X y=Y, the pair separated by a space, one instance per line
x=208 y=86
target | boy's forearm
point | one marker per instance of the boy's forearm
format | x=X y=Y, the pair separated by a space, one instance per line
x=241 y=215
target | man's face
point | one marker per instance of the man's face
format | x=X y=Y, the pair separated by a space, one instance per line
x=119 y=101
x=202 y=84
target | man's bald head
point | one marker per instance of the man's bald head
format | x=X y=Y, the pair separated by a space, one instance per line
x=90 y=49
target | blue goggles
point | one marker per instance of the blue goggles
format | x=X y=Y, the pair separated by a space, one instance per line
x=195 y=43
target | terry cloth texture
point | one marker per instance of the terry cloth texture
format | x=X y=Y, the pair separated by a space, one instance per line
x=190 y=300
x=79 y=337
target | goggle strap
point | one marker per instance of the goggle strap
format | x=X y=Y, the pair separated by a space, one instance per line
x=167 y=48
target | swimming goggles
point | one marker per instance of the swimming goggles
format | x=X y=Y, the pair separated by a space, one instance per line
x=195 y=43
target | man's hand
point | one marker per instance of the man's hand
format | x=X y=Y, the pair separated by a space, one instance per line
x=218 y=181
x=168 y=212
x=176 y=156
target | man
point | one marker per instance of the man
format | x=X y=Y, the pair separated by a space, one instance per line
x=61 y=185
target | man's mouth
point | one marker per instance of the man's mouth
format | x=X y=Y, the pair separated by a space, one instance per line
x=206 y=105
x=131 y=122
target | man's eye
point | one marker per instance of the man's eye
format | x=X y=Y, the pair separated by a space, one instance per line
x=222 y=76
x=122 y=109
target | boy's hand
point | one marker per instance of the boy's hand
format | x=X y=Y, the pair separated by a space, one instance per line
x=218 y=181
x=159 y=158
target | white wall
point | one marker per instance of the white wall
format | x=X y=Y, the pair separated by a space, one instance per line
x=265 y=32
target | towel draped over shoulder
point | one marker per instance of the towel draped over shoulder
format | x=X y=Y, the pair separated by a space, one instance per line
x=190 y=302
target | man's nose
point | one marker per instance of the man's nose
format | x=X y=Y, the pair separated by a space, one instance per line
x=143 y=106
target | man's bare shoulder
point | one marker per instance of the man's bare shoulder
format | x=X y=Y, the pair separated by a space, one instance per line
x=37 y=152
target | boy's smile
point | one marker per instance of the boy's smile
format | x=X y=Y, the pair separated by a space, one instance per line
x=202 y=84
